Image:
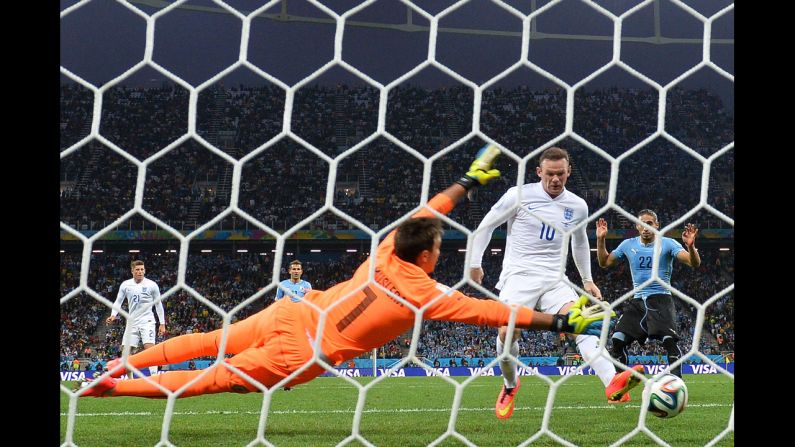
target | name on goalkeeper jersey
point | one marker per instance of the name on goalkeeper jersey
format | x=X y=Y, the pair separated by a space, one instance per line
x=382 y=279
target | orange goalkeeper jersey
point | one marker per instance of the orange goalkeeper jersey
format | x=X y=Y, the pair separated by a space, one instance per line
x=364 y=316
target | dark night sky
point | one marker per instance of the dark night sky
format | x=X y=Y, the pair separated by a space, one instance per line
x=102 y=39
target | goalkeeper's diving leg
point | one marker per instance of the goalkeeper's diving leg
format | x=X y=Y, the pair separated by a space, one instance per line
x=266 y=350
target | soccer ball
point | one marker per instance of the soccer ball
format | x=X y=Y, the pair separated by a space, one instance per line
x=667 y=396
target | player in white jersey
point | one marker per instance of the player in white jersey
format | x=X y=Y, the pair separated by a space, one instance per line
x=533 y=257
x=140 y=292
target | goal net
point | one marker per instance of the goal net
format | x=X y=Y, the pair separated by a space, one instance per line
x=185 y=124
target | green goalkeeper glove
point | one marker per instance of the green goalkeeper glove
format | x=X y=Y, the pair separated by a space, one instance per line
x=480 y=171
x=581 y=319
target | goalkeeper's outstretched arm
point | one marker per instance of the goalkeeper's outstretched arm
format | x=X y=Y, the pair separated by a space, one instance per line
x=480 y=173
x=581 y=319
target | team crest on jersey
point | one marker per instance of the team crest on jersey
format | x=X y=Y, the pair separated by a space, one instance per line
x=143 y=289
x=568 y=213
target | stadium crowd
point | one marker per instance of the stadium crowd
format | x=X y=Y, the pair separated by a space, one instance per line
x=226 y=279
x=281 y=186
x=189 y=185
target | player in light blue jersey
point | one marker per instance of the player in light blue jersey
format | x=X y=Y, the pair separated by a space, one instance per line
x=651 y=314
x=297 y=286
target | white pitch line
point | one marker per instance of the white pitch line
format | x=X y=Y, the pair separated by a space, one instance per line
x=385 y=384
x=375 y=410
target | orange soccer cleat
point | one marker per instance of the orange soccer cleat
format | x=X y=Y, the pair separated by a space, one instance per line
x=105 y=384
x=624 y=398
x=622 y=383
x=506 y=401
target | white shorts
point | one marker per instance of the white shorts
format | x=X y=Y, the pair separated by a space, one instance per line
x=529 y=291
x=142 y=333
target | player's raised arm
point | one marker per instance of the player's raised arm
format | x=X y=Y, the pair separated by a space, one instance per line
x=480 y=173
x=691 y=256
x=605 y=259
x=481 y=170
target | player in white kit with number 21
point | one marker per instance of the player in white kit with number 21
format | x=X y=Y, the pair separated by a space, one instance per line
x=140 y=293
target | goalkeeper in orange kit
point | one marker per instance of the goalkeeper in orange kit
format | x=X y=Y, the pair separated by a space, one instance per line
x=360 y=315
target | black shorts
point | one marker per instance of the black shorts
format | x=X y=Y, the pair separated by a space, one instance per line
x=653 y=318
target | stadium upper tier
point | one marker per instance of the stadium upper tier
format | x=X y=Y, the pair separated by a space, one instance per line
x=379 y=182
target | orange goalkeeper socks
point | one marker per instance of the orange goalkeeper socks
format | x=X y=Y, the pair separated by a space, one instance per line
x=177 y=349
x=216 y=381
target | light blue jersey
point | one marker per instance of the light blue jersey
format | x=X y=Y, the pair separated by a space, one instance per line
x=639 y=256
x=297 y=288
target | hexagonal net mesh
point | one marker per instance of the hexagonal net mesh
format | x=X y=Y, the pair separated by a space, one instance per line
x=285 y=138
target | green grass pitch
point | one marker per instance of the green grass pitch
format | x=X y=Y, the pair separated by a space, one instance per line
x=402 y=411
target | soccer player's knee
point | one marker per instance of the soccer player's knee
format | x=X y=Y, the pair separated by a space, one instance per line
x=669 y=343
x=226 y=380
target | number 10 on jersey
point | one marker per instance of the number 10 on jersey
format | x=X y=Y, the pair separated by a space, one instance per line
x=547 y=233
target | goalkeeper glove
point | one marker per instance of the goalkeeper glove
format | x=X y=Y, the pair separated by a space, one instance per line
x=581 y=319
x=480 y=171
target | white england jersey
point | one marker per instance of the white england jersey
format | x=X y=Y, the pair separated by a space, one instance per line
x=138 y=296
x=533 y=246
